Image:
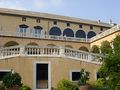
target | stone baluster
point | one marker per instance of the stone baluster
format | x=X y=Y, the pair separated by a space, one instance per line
x=22 y=50
x=62 y=51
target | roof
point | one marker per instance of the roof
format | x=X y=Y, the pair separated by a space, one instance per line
x=52 y=16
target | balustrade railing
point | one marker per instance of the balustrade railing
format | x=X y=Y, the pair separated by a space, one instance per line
x=8 y=52
x=44 y=36
x=65 y=38
x=105 y=33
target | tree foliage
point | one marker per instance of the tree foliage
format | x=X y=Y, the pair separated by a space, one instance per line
x=105 y=47
x=66 y=85
x=12 y=79
x=84 y=77
x=95 y=49
x=110 y=69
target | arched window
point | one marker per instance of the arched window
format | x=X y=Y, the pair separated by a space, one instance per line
x=55 y=31
x=95 y=49
x=68 y=33
x=68 y=46
x=51 y=45
x=91 y=34
x=37 y=29
x=11 y=43
x=83 y=48
x=80 y=34
x=33 y=44
x=23 y=28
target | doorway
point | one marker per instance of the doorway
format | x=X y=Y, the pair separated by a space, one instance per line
x=42 y=76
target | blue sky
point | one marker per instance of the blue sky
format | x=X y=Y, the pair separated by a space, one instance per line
x=103 y=10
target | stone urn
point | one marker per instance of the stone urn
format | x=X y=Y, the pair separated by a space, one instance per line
x=14 y=88
x=85 y=87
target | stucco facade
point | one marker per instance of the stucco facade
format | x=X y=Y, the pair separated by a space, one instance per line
x=62 y=43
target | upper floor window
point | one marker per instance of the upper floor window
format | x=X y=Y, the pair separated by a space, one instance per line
x=80 y=26
x=101 y=28
x=37 y=29
x=68 y=32
x=55 y=31
x=91 y=34
x=80 y=34
x=91 y=27
x=68 y=24
x=23 y=28
x=55 y=22
x=24 y=19
x=38 y=20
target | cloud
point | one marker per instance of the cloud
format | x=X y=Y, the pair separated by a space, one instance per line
x=48 y=3
x=12 y=4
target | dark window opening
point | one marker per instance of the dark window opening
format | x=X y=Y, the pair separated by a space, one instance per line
x=68 y=33
x=38 y=20
x=91 y=34
x=68 y=24
x=23 y=26
x=55 y=31
x=55 y=22
x=80 y=26
x=98 y=75
x=101 y=28
x=91 y=27
x=2 y=74
x=23 y=18
x=80 y=34
x=38 y=27
x=75 y=76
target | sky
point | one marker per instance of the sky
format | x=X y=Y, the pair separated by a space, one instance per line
x=103 y=10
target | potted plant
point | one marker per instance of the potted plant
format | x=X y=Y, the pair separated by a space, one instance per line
x=84 y=77
x=12 y=81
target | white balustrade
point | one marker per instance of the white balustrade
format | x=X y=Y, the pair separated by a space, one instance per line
x=105 y=33
x=7 y=52
x=52 y=37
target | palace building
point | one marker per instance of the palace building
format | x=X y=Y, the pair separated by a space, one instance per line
x=45 y=48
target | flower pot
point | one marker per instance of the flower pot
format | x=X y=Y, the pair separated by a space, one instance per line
x=14 y=88
x=85 y=87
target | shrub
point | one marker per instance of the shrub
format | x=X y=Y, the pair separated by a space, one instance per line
x=84 y=77
x=2 y=87
x=66 y=85
x=24 y=87
x=11 y=80
x=99 y=85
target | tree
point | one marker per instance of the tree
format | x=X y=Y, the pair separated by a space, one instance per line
x=105 y=47
x=95 y=49
x=110 y=68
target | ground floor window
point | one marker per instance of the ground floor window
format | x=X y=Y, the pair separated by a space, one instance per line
x=75 y=75
x=97 y=75
x=3 y=73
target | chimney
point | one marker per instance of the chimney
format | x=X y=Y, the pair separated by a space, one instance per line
x=110 y=22
x=99 y=21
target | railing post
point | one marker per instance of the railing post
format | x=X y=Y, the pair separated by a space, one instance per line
x=62 y=51
x=22 y=50
x=89 y=57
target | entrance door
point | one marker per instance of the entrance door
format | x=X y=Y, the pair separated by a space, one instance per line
x=43 y=76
